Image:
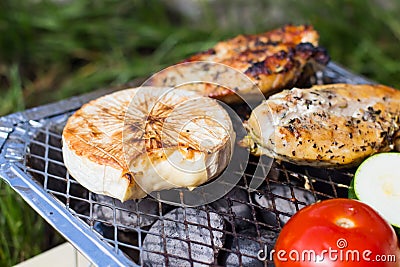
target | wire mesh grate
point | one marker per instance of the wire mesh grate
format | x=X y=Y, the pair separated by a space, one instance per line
x=227 y=232
x=148 y=231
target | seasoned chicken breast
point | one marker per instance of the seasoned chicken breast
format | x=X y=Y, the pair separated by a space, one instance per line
x=135 y=141
x=327 y=125
x=272 y=61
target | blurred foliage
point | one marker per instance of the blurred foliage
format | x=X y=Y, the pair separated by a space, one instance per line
x=363 y=36
x=55 y=49
x=22 y=231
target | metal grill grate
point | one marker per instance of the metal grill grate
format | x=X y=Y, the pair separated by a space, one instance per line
x=227 y=232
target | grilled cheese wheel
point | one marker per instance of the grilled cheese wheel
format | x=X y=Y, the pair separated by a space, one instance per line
x=327 y=125
x=272 y=60
x=135 y=141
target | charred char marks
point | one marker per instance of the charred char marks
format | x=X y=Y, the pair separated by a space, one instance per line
x=319 y=54
x=258 y=68
x=293 y=130
x=281 y=55
x=128 y=176
x=281 y=61
x=305 y=48
x=259 y=42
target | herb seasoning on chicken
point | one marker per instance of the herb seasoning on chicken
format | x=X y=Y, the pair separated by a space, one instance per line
x=327 y=125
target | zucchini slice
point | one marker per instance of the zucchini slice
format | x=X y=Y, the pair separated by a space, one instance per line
x=377 y=183
x=351 y=192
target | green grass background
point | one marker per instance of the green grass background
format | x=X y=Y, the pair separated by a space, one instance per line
x=51 y=50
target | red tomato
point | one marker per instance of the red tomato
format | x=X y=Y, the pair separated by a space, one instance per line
x=337 y=232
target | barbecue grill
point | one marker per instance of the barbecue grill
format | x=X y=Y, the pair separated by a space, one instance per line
x=229 y=232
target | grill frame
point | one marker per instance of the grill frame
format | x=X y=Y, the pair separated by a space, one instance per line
x=17 y=136
x=14 y=141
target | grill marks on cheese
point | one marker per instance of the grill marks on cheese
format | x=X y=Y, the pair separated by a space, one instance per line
x=101 y=126
x=95 y=130
x=327 y=125
x=138 y=129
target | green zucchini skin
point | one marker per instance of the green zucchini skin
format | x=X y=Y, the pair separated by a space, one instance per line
x=352 y=192
x=352 y=195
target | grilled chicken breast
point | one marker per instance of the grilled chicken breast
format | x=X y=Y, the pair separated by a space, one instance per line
x=139 y=140
x=327 y=125
x=272 y=61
